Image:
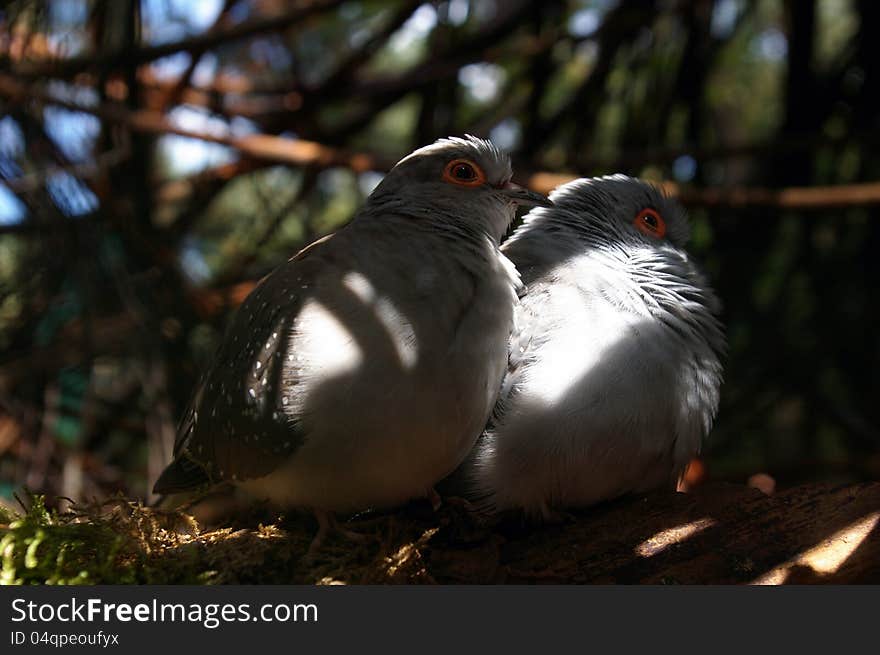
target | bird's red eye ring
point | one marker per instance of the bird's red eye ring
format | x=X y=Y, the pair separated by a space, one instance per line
x=649 y=222
x=464 y=172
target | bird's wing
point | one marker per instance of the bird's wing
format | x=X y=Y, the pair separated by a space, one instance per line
x=521 y=346
x=239 y=423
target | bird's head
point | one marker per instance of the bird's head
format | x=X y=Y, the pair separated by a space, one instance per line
x=628 y=230
x=456 y=180
x=615 y=211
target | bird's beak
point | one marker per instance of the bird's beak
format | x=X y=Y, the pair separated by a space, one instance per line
x=524 y=197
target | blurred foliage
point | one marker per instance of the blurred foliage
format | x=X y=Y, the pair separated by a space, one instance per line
x=123 y=253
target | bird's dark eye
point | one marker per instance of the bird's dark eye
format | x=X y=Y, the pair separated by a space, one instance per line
x=649 y=222
x=464 y=172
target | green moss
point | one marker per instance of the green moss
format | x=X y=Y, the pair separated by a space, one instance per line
x=114 y=542
x=43 y=547
x=119 y=541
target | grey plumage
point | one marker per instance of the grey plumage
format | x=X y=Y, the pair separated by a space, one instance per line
x=614 y=371
x=361 y=371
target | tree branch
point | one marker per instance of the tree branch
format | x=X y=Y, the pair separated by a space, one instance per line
x=299 y=152
x=124 y=57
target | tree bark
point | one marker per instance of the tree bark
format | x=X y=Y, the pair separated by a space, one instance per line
x=718 y=534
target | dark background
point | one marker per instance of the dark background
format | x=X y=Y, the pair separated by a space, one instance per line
x=126 y=241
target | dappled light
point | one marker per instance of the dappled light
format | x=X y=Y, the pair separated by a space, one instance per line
x=672 y=536
x=162 y=160
x=827 y=557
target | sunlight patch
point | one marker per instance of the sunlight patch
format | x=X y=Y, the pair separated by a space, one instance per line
x=827 y=557
x=328 y=343
x=398 y=328
x=666 y=538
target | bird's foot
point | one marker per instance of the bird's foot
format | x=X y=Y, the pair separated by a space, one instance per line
x=462 y=521
x=328 y=524
x=434 y=498
x=453 y=502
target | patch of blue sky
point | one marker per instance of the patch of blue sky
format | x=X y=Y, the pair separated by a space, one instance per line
x=507 y=134
x=201 y=15
x=724 y=16
x=166 y=21
x=171 y=67
x=188 y=117
x=67 y=19
x=84 y=95
x=416 y=28
x=684 y=168
x=457 y=11
x=9 y=168
x=770 y=44
x=67 y=13
x=192 y=261
x=241 y=126
x=186 y=155
x=11 y=148
x=584 y=22
x=206 y=70
x=70 y=195
x=67 y=43
x=483 y=81
x=12 y=210
x=11 y=138
x=73 y=132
